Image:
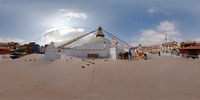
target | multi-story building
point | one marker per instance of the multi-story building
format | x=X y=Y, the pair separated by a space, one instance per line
x=147 y=49
x=30 y=48
x=14 y=46
x=163 y=48
x=168 y=47
x=7 y=48
x=23 y=48
x=155 y=48
x=41 y=49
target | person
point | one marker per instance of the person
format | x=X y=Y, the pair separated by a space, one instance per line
x=145 y=56
x=129 y=55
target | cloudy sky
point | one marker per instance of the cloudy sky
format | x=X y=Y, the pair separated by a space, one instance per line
x=135 y=21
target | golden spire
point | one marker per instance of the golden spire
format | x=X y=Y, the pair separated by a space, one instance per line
x=100 y=33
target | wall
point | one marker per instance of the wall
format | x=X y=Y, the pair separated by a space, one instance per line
x=114 y=53
x=4 y=51
x=188 y=51
x=84 y=52
x=184 y=51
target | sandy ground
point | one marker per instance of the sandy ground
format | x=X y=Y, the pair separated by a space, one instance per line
x=160 y=78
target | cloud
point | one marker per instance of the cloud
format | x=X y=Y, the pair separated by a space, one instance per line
x=62 y=30
x=167 y=27
x=62 y=35
x=70 y=14
x=8 y=39
x=157 y=36
x=154 y=10
x=63 y=17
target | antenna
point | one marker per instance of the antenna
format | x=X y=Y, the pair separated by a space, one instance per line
x=166 y=38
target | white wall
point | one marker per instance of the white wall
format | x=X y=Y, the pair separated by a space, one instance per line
x=93 y=46
x=84 y=52
x=52 y=55
x=114 y=53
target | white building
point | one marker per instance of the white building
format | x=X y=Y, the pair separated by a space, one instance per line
x=168 y=47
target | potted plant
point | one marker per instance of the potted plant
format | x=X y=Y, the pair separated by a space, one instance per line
x=125 y=55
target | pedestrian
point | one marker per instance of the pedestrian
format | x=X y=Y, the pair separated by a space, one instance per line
x=129 y=55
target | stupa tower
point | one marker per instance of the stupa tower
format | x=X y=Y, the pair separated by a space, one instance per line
x=100 y=33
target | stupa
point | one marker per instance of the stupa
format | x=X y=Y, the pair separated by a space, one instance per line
x=51 y=52
x=98 y=47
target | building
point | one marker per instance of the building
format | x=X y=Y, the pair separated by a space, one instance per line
x=155 y=49
x=164 y=48
x=4 y=48
x=186 y=44
x=98 y=47
x=41 y=49
x=10 y=47
x=168 y=47
x=152 y=49
x=13 y=46
x=191 y=51
x=30 y=48
x=24 y=48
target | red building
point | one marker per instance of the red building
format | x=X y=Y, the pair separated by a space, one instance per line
x=31 y=47
x=191 y=51
x=4 y=48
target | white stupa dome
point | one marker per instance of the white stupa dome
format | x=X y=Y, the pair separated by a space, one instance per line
x=99 y=40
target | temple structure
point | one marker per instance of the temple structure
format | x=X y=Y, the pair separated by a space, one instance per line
x=186 y=44
x=51 y=52
x=98 y=47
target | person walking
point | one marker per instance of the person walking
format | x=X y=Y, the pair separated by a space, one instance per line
x=129 y=55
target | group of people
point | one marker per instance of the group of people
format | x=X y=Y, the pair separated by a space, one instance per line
x=130 y=55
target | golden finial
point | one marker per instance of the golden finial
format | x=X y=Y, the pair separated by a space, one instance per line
x=100 y=33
